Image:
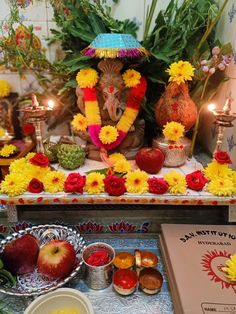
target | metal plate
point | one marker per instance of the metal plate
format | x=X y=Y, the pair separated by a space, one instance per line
x=33 y=283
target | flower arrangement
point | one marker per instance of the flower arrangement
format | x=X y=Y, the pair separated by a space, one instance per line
x=108 y=137
x=32 y=174
x=5 y=88
x=180 y=72
x=8 y=150
x=173 y=131
x=230 y=268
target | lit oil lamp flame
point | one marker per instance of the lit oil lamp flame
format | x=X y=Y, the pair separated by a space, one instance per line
x=211 y=107
x=51 y=104
x=34 y=101
x=227 y=106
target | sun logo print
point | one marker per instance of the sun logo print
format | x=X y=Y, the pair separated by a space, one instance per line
x=213 y=262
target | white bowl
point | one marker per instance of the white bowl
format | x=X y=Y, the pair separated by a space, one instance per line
x=60 y=298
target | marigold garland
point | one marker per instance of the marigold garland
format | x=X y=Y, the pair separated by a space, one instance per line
x=92 y=112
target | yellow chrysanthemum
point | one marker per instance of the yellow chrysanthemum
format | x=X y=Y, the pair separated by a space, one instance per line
x=233 y=178
x=54 y=181
x=221 y=187
x=215 y=170
x=29 y=156
x=33 y=171
x=79 y=122
x=176 y=181
x=180 y=72
x=108 y=134
x=94 y=183
x=14 y=184
x=113 y=158
x=18 y=166
x=122 y=166
x=173 y=131
x=87 y=78
x=136 y=182
x=5 y=88
x=230 y=270
x=131 y=78
x=2 y=132
x=8 y=150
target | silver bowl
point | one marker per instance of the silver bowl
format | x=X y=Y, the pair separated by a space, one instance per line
x=34 y=283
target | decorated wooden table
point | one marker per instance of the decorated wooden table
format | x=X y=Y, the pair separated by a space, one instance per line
x=189 y=198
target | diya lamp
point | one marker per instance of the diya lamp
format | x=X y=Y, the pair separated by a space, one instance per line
x=223 y=118
x=36 y=114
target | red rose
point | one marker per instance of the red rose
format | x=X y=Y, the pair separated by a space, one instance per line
x=28 y=129
x=35 y=186
x=40 y=159
x=157 y=185
x=196 y=180
x=74 y=183
x=114 y=185
x=222 y=157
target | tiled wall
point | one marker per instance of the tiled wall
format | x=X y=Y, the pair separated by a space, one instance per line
x=226 y=32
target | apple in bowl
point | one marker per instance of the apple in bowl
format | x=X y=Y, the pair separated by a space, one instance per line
x=150 y=159
x=20 y=255
x=56 y=259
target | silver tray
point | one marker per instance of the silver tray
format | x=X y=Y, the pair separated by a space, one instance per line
x=34 y=283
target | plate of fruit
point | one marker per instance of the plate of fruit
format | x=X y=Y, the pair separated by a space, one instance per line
x=39 y=259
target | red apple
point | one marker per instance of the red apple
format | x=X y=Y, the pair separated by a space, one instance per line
x=56 y=259
x=150 y=159
x=20 y=255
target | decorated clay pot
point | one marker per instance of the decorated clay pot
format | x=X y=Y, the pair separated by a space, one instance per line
x=175 y=153
x=176 y=105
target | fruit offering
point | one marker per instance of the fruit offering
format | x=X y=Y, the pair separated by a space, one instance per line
x=150 y=159
x=20 y=255
x=98 y=258
x=70 y=156
x=56 y=259
x=150 y=280
x=125 y=281
x=124 y=260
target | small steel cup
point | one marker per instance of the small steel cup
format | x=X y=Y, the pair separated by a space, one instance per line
x=98 y=277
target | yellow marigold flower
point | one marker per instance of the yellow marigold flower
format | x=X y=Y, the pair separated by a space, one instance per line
x=180 y=72
x=54 y=181
x=5 y=88
x=173 y=131
x=122 y=166
x=137 y=182
x=94 y=183
x=8 y=150
x=18 y=166
x=221 y=187
x=14 y=184
x=108 y=134
x=2 y=132
x=233 y=178
x=29 y=156
x=79 y=122
x=87 y=78
x=131 y=78
x=33 y=171
x=176 y=181
x=215 y=170
x=113 y=158
x=230 y=270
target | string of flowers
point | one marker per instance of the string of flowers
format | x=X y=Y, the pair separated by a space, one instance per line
x=108 y=137
x=33 y=174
